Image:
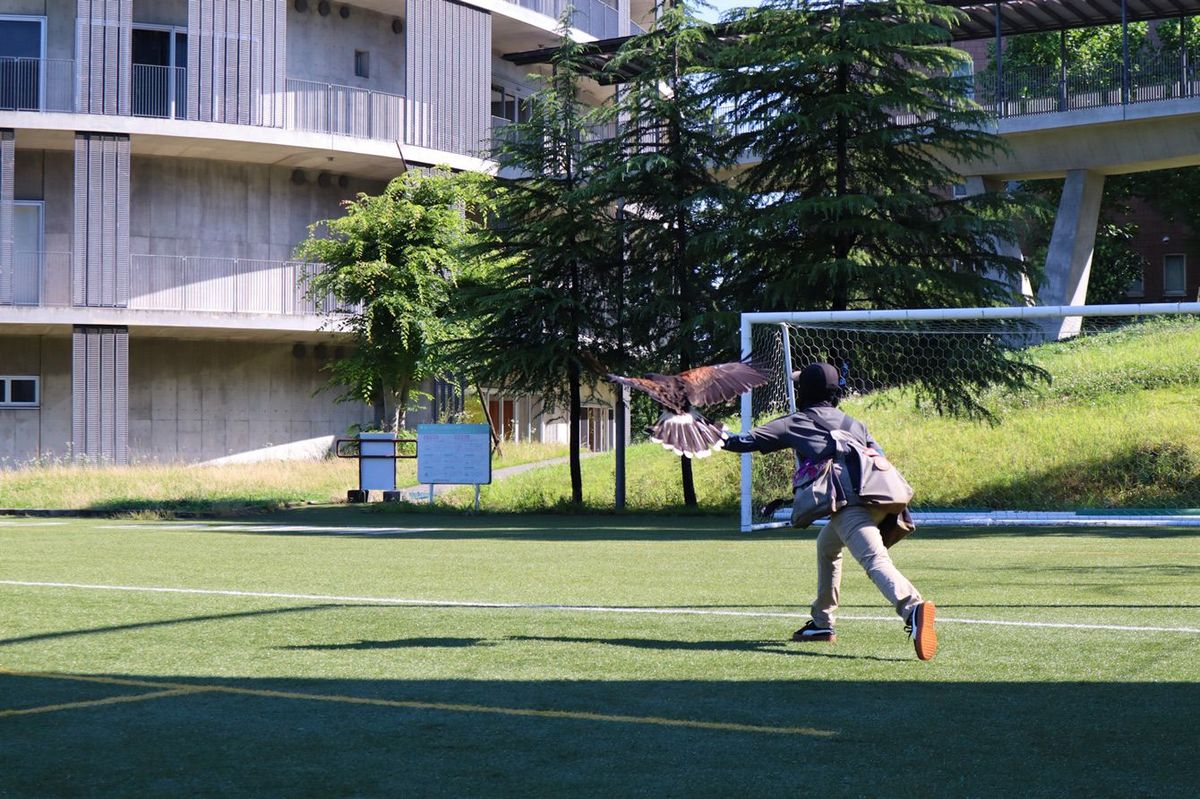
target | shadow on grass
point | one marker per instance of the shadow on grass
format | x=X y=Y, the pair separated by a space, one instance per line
x=145 y=625
x=481 y=737
x=769 y=647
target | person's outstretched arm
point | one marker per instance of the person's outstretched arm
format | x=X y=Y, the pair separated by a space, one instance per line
x=770 y=437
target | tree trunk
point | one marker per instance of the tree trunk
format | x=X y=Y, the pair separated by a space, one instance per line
x=576 y=419
x=841 y=287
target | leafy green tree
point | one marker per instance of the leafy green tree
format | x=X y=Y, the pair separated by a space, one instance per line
x=663 y=167
x=538 y=298
x=392 y=262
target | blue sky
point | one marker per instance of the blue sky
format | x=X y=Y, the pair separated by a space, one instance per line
x=721 y=6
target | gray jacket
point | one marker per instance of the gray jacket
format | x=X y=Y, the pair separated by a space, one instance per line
x=797 y=431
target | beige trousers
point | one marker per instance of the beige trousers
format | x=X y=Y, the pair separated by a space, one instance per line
x=856 y=528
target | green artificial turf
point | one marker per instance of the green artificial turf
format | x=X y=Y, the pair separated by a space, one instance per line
x=1002 y=710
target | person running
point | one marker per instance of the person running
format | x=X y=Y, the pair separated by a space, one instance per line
x=854 y=527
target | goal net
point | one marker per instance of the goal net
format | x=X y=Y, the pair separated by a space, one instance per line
x=998 y=412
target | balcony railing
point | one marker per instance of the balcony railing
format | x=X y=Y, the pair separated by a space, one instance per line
x=37 y=84
x=591 y=16
x=344 y=110
x=174 y=283
x=159 y=91
x=223 y=285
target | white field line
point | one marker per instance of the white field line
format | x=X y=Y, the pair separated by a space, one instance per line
x=681 y=611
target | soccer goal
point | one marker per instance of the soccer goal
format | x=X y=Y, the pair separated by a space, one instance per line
x=1019 y=415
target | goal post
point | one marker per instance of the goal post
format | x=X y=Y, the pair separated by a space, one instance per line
x=952 y=361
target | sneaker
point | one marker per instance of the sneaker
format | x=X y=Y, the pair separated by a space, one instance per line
x=811 y=632
x=921 y=630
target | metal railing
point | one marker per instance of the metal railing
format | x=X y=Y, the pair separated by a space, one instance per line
x=159 y=91
x=175 y=283
x=1029 y=90
x=591 y=16
x=223 y=285
x=36 y=278
x=344 y=110
x=37 y=84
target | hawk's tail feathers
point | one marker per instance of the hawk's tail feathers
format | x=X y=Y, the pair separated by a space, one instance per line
x=687 y=434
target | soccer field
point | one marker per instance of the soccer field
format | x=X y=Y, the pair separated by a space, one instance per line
x=343 y=653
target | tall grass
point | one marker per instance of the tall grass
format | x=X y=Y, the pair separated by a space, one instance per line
x=171 y=488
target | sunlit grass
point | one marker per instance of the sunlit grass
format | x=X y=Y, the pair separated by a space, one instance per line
x=170 y=488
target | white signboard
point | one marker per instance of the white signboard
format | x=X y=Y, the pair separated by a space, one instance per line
x=454 y=454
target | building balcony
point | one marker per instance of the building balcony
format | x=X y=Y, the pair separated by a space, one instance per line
x=174 y=283
x=52 y=85
x=593 y=17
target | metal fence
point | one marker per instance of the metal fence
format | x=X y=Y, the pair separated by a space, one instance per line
x=175 y=283
x=37 y=84
x=344 y=110
x=159 y=91
x=591 y=16
x=1029 y=90
x=223 y=285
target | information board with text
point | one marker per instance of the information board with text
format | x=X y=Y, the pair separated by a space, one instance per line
x=454 y=454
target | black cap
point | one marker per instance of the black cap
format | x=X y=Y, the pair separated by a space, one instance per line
x=817 y=379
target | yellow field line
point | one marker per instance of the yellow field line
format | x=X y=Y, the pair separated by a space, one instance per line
x=111 y=700
x=448 y=707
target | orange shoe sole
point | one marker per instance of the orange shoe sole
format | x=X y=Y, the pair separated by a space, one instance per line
x=925 y=641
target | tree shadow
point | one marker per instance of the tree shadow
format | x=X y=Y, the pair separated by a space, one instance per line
x=292 y=736
x=146 y=625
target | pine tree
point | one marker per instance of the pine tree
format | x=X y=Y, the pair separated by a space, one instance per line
x=662 y=168
x=536 y=297
x=854 y=118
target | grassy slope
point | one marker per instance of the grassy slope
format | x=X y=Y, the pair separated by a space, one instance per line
x=1116 y=428
x=214 y=489
x=996 y=702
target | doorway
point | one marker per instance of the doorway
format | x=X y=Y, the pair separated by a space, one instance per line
x=159 y=71
x=28 y=258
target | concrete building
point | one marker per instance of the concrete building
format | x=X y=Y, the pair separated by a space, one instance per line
x=159 y=162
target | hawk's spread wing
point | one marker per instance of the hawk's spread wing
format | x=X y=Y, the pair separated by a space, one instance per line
x=707 y=385
x=663 y=389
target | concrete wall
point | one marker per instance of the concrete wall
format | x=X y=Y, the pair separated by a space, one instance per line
x=28 y=434
x=161 y=12
x=198 y=400
x=192 y=207
x=322 y=48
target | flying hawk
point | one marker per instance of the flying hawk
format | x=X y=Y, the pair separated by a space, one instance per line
x=682 y=429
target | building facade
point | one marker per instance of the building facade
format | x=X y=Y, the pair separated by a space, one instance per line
x=159 y=162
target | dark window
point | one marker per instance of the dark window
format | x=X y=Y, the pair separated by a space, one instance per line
x=362 y=64
x=20 y=65
x=18 y=391
x=1174 y=275
x=24 y=391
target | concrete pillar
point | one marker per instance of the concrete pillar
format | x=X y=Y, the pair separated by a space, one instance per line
x=1069 y=258
x=1019 y=283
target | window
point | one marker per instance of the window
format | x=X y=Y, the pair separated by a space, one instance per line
x=19 y=391
x=1137 y=287
x=22 y=42
x=362 y=64
x=1174 y=275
